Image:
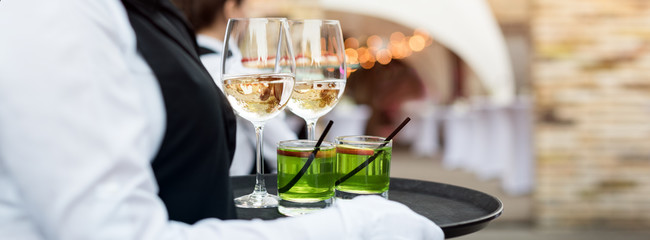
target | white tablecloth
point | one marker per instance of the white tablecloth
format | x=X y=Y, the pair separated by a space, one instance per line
x=422 y=131
x=457 y=137
x=349 y=119
x=518 y=174
x=492 y=141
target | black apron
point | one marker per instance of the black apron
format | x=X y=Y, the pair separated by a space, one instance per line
x=192 y=164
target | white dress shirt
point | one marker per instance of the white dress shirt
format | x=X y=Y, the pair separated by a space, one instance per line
x=81 y=116
x=275 y=129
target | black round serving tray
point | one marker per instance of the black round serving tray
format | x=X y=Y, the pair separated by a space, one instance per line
x=457 y=210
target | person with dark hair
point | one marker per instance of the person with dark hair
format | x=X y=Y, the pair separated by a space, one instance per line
x=209 y=19
x=111 y=128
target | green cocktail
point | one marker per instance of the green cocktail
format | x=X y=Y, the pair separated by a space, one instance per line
x=312 y=189
x=363 y=166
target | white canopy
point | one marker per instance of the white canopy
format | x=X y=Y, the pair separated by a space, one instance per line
x=466 y=27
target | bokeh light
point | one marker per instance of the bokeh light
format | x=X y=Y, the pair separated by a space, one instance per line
x=424 y=34
x=353 y=55
x=364 y=55
x=400 y=51
x=384 y=56
x=351 y=43
x=374 y=42
x=382 y=50
x=416 y=43
x=397 y=38
x=368 y=64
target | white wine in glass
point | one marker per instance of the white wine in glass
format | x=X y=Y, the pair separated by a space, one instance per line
x=320 y=69
x=258 y=97
x=313 y=99
x=258 y=84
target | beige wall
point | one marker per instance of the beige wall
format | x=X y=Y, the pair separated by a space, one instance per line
x=591 y=80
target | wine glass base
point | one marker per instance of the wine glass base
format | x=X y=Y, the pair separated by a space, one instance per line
x=257 y=200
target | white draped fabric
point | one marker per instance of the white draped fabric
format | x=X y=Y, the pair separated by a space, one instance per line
x=518 y=175
x=492 y=141
x=422 y=131
x=426 y=143
x=457 y=135
x=498 y=123
x=467 y=27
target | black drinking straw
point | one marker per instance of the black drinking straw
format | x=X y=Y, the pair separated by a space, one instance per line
x=304 y=168
x=373 y=157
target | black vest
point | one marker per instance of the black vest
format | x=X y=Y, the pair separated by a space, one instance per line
x=192 y=165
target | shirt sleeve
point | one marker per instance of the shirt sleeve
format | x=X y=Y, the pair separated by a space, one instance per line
x=75 y=131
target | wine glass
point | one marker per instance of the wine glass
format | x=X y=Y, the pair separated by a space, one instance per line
x=257 y=81
x=320 y=69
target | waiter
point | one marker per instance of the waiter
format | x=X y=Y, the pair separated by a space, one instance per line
x=209 y=19
x=192 y=164
x=92 y=107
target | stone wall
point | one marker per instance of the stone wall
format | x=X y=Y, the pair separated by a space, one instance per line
x=591 y=81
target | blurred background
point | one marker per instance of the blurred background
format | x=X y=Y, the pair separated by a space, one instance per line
x=542 y=103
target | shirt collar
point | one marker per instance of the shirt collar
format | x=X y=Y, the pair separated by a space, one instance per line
x=209 y=42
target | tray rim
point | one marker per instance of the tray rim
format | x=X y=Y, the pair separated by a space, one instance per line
x=489 y=217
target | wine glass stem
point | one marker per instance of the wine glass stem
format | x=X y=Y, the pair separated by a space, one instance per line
x=311 y=128
x=260 y=186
